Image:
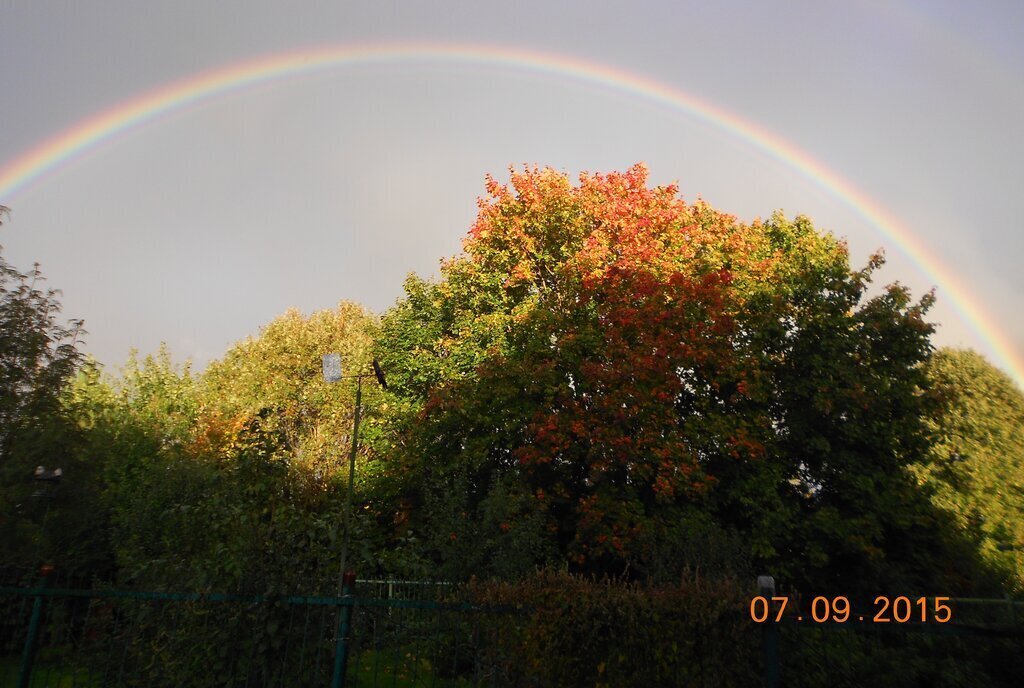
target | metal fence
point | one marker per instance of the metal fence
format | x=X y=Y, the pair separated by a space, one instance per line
x=393 y=633
x=982 y=645
x=65 y=634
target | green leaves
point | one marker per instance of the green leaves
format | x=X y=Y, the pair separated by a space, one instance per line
x=607 y=378
x=627 y=359
x=38 y=356
x=977 y=462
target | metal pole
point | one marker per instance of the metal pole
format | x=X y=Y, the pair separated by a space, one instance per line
x=28 y=654
x=341 y=643
x=52 y=479
x=351 y=481
x=769 y=636
x=770 y=650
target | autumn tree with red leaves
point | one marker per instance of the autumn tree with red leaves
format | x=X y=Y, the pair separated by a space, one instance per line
x=614 y=378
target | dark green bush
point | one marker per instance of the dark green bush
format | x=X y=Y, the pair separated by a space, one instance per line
x=573 y=631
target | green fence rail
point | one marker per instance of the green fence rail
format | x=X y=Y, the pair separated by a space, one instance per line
x=982 y=644
x=67 y=634
x=393 y=633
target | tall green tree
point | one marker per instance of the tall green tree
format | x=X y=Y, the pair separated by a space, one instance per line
x=134 y=428
x=977 y=467
x=268 y=412
x=38 y=356
x=233 y=478
x=280 y=371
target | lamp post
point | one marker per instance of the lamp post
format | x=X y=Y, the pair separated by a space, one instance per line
x=49 y=480
x=332 y=372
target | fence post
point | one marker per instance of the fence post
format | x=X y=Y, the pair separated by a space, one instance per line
x=344 y=630
x=769 y=636
x=28 y=654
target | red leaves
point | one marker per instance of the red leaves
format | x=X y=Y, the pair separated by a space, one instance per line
x=617 y=304
x=622 y=431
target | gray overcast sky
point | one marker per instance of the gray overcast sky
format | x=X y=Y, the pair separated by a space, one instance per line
x=201 y=226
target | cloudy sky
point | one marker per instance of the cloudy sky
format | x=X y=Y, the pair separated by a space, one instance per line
x=199 y=224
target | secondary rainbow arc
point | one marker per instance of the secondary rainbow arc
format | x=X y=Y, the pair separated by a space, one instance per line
x=91 y=132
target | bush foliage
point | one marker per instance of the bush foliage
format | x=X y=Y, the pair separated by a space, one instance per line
x=571 y=630
x=607 y=382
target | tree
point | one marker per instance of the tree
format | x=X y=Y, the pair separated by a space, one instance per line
x=280 y=370
x=977 y=463
x=268 y=413
x=227 y=479
x=628 y=374
x=38 y=355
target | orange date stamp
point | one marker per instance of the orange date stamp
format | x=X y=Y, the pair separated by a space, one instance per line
x=837 y=609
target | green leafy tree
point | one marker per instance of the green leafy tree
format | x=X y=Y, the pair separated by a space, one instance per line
x=233 y=478
x=280 y=371
x=135 y=428
x=38 y=355
x=271 y=387
x=977 y=468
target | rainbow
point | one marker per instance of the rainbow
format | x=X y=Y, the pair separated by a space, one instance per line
x=35 y=163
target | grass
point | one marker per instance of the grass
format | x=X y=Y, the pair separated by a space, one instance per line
x=372 y=668
x=380 y=668
x=45 y=675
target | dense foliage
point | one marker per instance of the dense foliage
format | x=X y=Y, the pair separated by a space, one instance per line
x=608 y=382
x=571 y=631
x=575 y=631
x=38 y=355
x=250 y=450
x=977 y=461
x=613 y=378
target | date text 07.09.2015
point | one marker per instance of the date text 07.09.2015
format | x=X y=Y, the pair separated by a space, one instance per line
x=837 y=610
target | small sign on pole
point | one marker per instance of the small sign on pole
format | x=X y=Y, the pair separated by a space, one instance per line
x=332 y=367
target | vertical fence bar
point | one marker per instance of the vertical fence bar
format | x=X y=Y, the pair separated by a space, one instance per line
x=770 y=642
x=28 y=654
x=398 y=639
x=344 y=628
x=769 y=636
x=380 y=618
